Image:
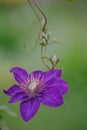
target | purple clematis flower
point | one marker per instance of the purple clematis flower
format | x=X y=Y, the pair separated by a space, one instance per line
x=38 y=87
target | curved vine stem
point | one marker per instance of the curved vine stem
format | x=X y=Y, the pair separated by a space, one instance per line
x=44 y=57
x=41 y=11
x=43 y=14
x=42 y=37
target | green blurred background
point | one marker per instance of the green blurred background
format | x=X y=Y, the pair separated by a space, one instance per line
x=19 y=29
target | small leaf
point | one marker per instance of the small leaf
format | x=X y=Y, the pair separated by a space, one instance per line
x=5 y=109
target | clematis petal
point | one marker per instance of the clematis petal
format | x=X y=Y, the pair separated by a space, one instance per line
x=20 y=74
x=12 y=91
x=51 y=74
x=36 y=74
x=59 y=84
x=51 y=83
x=17 y=97
x=62 y=86
x=29 y=108
x=51 y=98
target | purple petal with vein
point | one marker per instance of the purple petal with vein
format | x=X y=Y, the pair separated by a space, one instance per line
x=51 y=74
x=20 y=75
x=29 y=108
x=13 y=90
x=36 y=74
x=17 y=97
x=58 y=83
x=52 y=98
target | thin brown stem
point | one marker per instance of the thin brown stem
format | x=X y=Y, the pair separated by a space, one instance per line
x=43 y=14
x=30 y=3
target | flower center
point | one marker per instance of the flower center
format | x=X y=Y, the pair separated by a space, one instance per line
x=32 y=86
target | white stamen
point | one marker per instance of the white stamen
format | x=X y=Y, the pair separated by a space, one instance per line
x=33 y=85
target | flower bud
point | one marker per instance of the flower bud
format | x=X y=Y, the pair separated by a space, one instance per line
x=54 y=59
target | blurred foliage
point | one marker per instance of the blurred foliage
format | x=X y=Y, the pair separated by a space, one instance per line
x=5 y=110
x=3 y=125
x=71 y=0
x=12 y=1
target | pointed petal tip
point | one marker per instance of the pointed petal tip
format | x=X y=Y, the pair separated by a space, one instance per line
x=26 y=120
x=10 y=101
x=17 y=69
x=5 y=92
x=12 y=69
